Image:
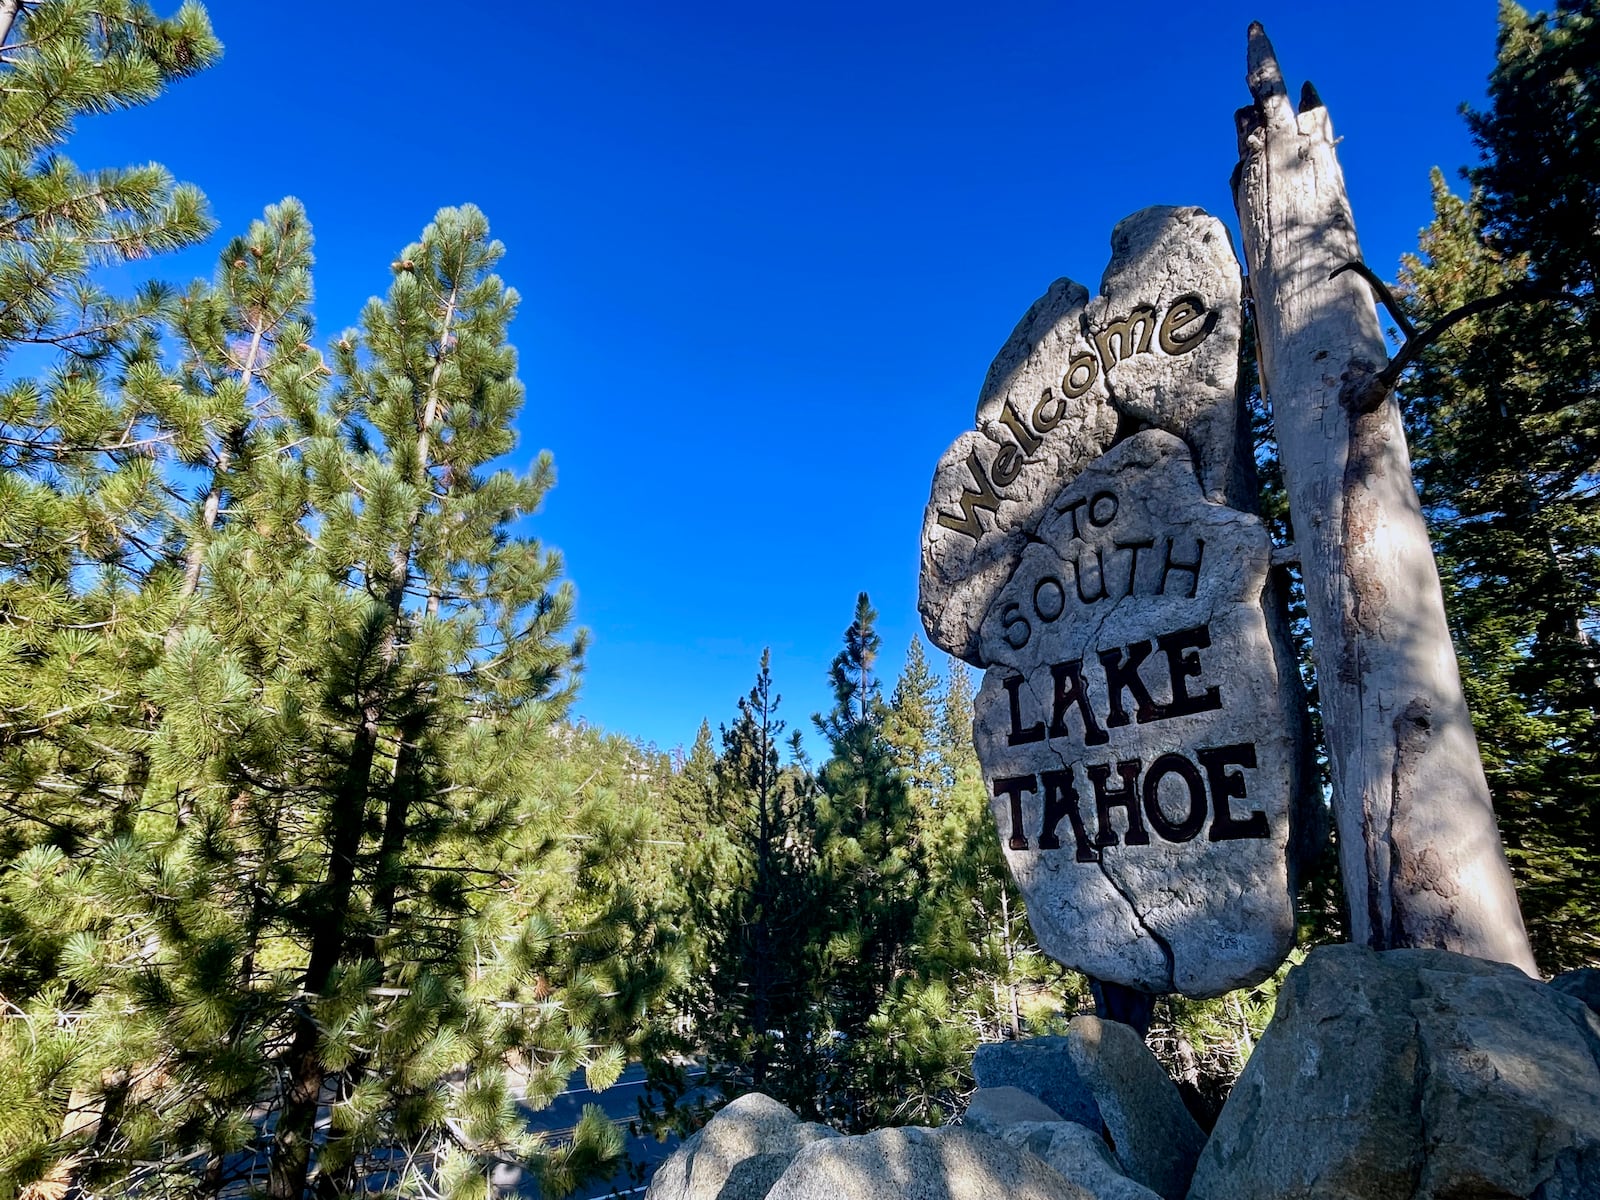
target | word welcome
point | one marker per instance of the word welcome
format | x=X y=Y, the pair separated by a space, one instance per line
x=1121 y=339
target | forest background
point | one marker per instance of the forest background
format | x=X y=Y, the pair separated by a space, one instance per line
x=310 y=874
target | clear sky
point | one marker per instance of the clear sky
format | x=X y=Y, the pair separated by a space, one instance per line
x=767 y=251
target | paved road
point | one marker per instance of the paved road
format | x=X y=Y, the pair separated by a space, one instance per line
x=620 y=1102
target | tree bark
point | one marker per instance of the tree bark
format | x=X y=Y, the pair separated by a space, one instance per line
x=8 y=15
x=295 y=1133
x=1418 y=847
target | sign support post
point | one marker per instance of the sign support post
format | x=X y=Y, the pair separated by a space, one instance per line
x=1418 y=846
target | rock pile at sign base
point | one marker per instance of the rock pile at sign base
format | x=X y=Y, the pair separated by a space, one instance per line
x=1403 y=1075
x=1412 y=1075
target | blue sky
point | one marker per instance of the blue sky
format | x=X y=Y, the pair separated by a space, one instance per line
x=766 y=252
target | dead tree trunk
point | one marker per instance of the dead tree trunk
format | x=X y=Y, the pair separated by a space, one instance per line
x=1418 y=846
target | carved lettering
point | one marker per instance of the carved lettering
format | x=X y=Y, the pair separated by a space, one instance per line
x=1127 y=336
x=1070 y=692
x=1133 y=563
x=985 y=497
x=1192 y=569
x=1185 y=311
x=1018 y=735
x=1083 y=368
x=1007 y=466
x=1103 y=502
x=1044 y=588
x=1018 y=631
x=1013 y=786
x=1139 y=794
x=1061 y=800
x=1225 y=827
x=1044 y=421
x=1122 y=675
x=1125 y=797
x=1168 y=830
x=1026 y=438
x=1184 y=325
x=1183 y=663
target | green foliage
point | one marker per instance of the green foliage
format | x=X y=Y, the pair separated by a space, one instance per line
x=853 y=948
x=80 y=469
x=299 y=822
x=751 y=902
x=1503 y=414
x=64 y=59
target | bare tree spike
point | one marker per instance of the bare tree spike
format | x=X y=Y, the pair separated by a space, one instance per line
x=1309 y=98
x=1419 y=852
x=1266 y=78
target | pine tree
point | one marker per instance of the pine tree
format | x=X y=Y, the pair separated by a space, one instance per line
x=369 y=868
x=450 y=670
x=81 y=512
x=869 y=864
x=953 y=745
x=246 y=351
x=64 y=59
x=974 y=972
x=1504 y=419
x=693 y=791
x=751 y=904
x=912 y=729
x=80 y=480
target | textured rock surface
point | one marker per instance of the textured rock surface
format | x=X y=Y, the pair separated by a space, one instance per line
x=952 y=1163
x=738 y=1155
x=1075 y=1153
x=992 y=1110
x=1160 y=344
x=1412 y=1075
x=1042 y=1067
x=1155 y=1139
x=1136 y=734
x=1584 y=983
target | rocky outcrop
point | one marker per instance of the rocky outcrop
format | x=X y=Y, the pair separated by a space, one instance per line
x=1102 y=1076
x=1403 y=1075
x=1584 y=983
x=994 y=1110
x=1412 y=1075
x=1154 y=1137
x=952 y=1163
x=739 y=1154
x=1075 y=1153
x=1042 y=1067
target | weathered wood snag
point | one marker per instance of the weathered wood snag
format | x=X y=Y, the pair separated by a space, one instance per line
x=1419 y=849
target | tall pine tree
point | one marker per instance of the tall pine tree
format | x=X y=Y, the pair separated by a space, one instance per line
x=1504 y=417
x=751 y=903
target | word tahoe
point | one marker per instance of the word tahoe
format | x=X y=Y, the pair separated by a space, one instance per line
x=1141 y=796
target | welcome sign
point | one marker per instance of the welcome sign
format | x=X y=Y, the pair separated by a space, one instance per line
x=1083 y=545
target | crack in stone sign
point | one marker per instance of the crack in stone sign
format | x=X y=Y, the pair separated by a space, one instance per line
x=1136 y=734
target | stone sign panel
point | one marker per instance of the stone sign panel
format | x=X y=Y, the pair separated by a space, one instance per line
x=1135 y=723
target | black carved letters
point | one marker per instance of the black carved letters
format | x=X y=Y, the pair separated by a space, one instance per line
x=1172 y=796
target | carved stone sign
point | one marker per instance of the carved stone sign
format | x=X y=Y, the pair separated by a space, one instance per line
x=1135 y=723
